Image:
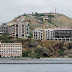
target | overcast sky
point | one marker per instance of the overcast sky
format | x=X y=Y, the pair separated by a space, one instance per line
x=10 y=9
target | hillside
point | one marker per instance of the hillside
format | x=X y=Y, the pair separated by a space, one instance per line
x=54 y=20
x=62 y=21
x=37 y=48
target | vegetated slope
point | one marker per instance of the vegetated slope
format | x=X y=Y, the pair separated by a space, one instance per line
x=35 y=24
x=39 y=48
x=57 y=21
x=62 y=21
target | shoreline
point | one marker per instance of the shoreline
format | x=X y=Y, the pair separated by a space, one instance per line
x=36 y=61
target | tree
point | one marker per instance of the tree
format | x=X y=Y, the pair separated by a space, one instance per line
x=36 y=14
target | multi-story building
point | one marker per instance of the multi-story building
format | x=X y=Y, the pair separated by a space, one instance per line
x=3 y=29
x=10 y=49
x=53 y=34
x=18 y=30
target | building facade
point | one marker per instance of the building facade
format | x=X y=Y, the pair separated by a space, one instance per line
x=10 y=49
x=18 y=30
x=53 y=34
x=3 y=29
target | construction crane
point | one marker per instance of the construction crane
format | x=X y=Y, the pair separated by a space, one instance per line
x=44 y=28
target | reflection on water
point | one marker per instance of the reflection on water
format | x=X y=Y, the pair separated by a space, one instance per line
x=35 y=68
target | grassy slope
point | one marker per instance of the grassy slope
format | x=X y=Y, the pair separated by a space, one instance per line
x=35 y=24
x=62 y=21
x=59 y=20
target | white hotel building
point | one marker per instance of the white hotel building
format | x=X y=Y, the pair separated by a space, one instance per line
x=53 y=34
x=10 y=49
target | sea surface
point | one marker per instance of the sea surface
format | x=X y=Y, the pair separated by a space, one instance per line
x=35 y=67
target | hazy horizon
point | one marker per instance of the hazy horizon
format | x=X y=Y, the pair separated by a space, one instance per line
x=9 y=9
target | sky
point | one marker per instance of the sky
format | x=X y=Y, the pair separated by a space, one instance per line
x=9 y=9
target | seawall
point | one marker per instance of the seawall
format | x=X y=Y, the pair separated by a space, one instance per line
x=36 y=61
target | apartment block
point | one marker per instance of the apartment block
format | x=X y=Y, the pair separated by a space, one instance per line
x=10 y=49
x=19 y=30
x=53 y=34
x=3 y=29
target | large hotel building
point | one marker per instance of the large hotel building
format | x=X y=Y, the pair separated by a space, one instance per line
x=53 y=34
x=10 y=49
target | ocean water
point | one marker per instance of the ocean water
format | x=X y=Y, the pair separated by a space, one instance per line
x=35 y=67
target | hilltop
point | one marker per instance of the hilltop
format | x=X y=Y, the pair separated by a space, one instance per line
x=36 y=20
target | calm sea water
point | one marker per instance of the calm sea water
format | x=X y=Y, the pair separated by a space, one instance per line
x=35 y=67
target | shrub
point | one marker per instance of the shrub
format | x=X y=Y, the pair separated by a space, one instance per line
x=36 y=14
x=61 y=53
x=69 y=46
x=26 y=54
x=41 y=52
x=40 y=19
x=41 y=14
x=51 y=16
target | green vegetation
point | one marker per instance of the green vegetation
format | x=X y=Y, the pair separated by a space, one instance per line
x=36 y=14
x=61 y=52
x=41 y=14
x=5 y=39
x=40 y=19
x=69 y=46
x=26 y=54
x=41 y=52
x=31 y=35
x=46 y=48
x=51 y=16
